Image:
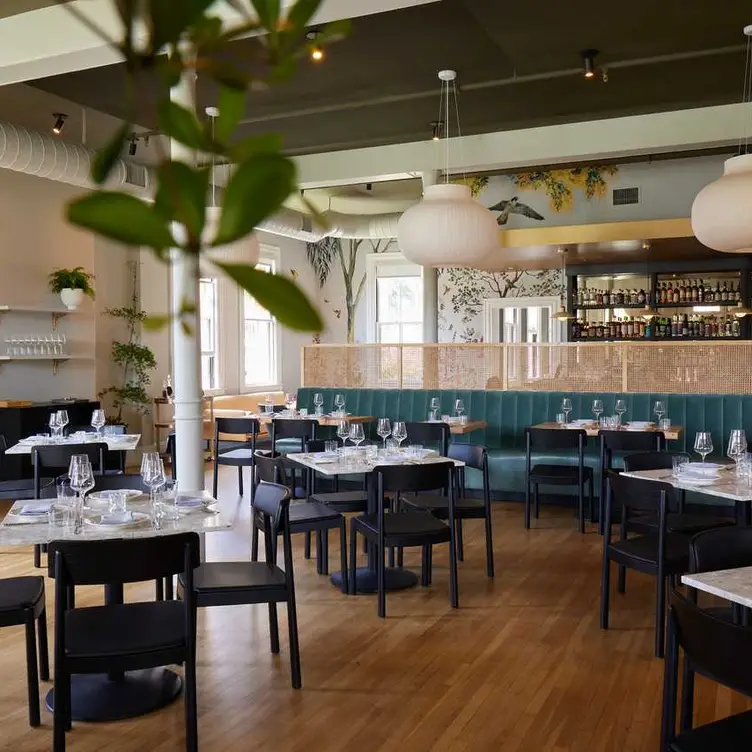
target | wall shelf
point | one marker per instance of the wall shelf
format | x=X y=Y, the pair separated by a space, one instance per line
x=56 y=360
x=55 y=313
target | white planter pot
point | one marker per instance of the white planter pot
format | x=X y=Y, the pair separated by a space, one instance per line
x=72 y=298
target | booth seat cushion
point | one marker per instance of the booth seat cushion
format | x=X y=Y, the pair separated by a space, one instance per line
x=245 y=402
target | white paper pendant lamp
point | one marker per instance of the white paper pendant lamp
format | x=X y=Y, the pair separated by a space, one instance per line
x=722 y=210
x=447 y=228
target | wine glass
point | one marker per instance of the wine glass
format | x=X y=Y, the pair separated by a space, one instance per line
x=737 y=446
x=357 y=435
x=384 y=429
x=435 y=405
x=153 y=475
x=339 y=403
x=97 y=421
x=54 y=423
x=620 y=408
x=703 y=443
x=659 y=409
x=343 y=430
x=566 y=408
x=63 y=341
x=459 y=408
x=597 y=409
x=63 y=418
x=318 y=403
x=291 y=401
x=399 y=432
x=81 y=475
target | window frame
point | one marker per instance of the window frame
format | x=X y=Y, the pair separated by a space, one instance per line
x=217 y=351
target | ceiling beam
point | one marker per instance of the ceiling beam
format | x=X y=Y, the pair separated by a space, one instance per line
x=595 y=140
x=51 y=41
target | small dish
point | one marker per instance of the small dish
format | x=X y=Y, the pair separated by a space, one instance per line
x=112 y=521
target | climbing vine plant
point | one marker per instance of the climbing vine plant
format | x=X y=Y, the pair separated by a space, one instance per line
x=559 y=185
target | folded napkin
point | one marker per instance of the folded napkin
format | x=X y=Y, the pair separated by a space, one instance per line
x=35 y=510
x=116 y=518
x=189 y=502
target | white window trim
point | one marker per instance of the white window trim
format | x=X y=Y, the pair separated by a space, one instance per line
x=219 y=343
x=492 y=306
x=374 y=261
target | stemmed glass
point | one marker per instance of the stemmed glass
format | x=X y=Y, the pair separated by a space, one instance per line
x=63 y=420
x=291 y=402
x=343 y=430
x=703 y=443
x=566 y=408
x=459 y=408
x=384 y=429
x=54 y=424
x=597 y=409
x=97 y=421
x=659 y=409
x=318 y=403
x=153 y=475
x=399 y=432
x=81 y=481
x=339 y=403
x=620 y=408
x=435 y=405
x=357 y=435
x=737 y=446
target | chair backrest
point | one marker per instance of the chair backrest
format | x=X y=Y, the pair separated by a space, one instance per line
x=721 y=548
x=651 y=460
x=236 y=426
x=638 y=495
x=269 y=467
x=714 y=646
x=414 y=478
x=554 y=439
x=105 y=562
x=272 y=501
x=293 y=428
x=419 y=432
x=56 y=458
x=115 y=482
x=473 y=455
x=319 y=445
x=632 y=441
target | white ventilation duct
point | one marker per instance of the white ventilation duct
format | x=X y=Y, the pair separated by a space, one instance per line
x=33 y=153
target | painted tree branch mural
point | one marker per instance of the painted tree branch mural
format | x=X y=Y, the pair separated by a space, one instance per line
x=559 y=185
x=322 y=257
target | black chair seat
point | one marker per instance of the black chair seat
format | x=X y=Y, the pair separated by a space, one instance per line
x=401 y=527
x=311 y=512
x=732 y=734
x=236 y=575
x=685 y=523
x=20 y=593
x=438 y=505
x=22 y=489
x=559 y=474
x=342 y=501
x=644 y=549
x=107 y=631
x=241 y=454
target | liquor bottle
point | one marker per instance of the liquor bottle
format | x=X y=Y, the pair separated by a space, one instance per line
x=693 y=291
x=641 y=297
x=676 y=298
x=682 y=292
x=724 y=294
x=700 y=292
x=606 y=298
x=717 y=296
x=738 y=292
x=736 y=329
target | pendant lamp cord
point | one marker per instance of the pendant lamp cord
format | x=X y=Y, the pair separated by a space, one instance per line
x=747 y=99
x=448 y=84
x=213 y=176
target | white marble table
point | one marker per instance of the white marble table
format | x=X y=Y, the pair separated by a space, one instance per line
x=20 y=531
x=331 y=467
x=732 y=584
x=117 y=443
x=727 y=487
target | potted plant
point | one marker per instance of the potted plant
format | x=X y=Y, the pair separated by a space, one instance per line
x=72 y=285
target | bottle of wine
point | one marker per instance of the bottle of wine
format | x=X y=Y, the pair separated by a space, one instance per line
x=724 y=294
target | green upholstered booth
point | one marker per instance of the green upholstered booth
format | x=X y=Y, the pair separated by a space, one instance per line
x=508 y=413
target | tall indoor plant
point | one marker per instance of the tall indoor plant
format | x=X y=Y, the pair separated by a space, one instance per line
x=72 y=285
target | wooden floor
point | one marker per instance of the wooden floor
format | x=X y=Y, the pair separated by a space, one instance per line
x=521 y=665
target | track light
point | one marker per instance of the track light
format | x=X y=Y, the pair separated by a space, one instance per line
x=133 y=146
x=317 y=51
x=436 y=126
x=588 y=61
x=60 y=118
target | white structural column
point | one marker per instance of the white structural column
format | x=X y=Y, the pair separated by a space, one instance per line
x=430 y=283
x=186 y=346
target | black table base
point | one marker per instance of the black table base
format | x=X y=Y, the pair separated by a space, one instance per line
x=95 y=697
x=365 y=579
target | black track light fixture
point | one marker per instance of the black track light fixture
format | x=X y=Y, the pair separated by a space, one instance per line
x=60 y=118
x=588 y=62
x=317 y=51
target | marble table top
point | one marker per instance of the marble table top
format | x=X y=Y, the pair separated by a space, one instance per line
x=215 y=516
x=117 y=443
x=732 y=584
x=727 y=487
x=346 y=466
x=592 y=429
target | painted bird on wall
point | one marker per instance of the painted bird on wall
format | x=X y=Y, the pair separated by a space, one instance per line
x=514 y=206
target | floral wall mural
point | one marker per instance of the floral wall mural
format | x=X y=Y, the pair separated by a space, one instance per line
x=560 y=185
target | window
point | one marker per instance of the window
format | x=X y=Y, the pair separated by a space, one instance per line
x=399 y=309
x=259 y=339
x=209 y=346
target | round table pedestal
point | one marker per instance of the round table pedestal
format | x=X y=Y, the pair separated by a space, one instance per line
x=95 y=697
x=365 y=579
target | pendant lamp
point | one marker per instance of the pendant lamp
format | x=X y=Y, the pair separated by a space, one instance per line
x=448 y=227
x=562 y=314
x=721 y=216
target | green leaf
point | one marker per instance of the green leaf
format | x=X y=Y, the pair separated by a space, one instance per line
x=169 y=19
x=282 y=70
x=171 y=67
x=106 y=157
x=227 y=74
x=301 y=13
x=156 y=322
x=268 y=13
x=334 y=31
x=181 y=124
x=231 y=109
x=121 y=217
x=181 y=195
x=269 y=143
x=206 y=31
x=257 y=188
x=278 y=295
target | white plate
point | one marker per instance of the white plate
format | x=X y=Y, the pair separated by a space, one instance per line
x=104 y=496
x=98 y=520
x=641 y=423
x=705 y=466
x=697 y=481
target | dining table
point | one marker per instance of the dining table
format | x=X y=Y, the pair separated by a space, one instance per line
x=126 y=442
x=592 y=429
x=733 y=585
x=105 y=697
x=345 y=463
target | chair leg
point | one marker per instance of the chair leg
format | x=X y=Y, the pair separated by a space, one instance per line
x=254 y=539
x=391 y=557
x=460 y=546
x=687 y=697
x=400 y=557
x=44 y=652
x=37 y=556
x=240 y=480
x=273 y=628
x=591 y=500
x=489 y=547
x=424 y=566
x=159 y=589
x=60 y=712
x=527 y=505
x=454 y=595
x=605 y=594
x=622 y=581
x=353 y=555
x=581 y=510
x=307 y=548
x=343 y=554
x=32 y=677
x=319 y=544
x=191 y=705
x=292 y=624
x=380 y=579
x=324 y=536
x=215 y=478
x=536 y=501
x=429 y=566
x=169 y=591
x=660 y=616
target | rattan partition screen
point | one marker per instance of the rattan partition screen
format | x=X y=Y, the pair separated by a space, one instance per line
x=671 y=367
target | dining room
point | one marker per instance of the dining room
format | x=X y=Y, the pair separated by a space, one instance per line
x=329 y=422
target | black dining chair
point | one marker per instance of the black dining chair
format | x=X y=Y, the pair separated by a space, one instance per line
x=619 y=442
x=466 y=508
x=353 y=500
x=22 y=603
x=541 y=440
x=407 y=529
x=123 y=636
x=658 y=552
x=114 y=460
x=239 y=454
x=21 y=488
x=302 y=429
x=719 y=650
x=677 y=519
x=233 y=583
x=434 y=435
x=305 y=517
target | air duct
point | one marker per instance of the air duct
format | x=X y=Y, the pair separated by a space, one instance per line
x=33 y=153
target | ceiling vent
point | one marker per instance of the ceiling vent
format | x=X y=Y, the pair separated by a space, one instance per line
x=136 y=174
x=625 y=196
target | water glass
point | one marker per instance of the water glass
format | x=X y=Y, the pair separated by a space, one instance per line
x=561 y=419
x=331 y=447
x=117 y=501
x=60 y=517
x=415 y=451
x=664 y=424
x=169 y=499
x=391 y=446
x=372 y=453
x=703 y=443
x=384 y=429
x=303 y=412
x=65 y=494
x=677 y=463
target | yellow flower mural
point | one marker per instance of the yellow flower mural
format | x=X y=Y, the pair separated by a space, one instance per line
x=559 y=185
